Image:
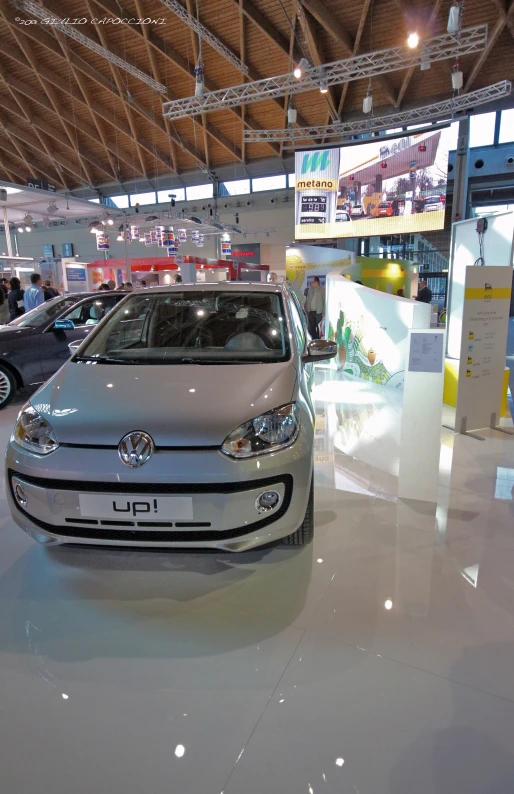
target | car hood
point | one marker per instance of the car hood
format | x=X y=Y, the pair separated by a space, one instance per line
x=178 y=405
x=8 y=333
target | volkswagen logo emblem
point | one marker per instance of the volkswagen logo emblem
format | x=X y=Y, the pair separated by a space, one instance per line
x=135 y=449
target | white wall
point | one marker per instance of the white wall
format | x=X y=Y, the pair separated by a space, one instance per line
x=271 y=225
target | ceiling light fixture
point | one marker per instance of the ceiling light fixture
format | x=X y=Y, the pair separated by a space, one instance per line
x=299 y=70
x=28 y=228
x=20 y=229
x=455 y=17
x=28 y=218
x=367 y=102
x=425 y=60
x=46 y=221
x=291 y=114
x=52 y=208
x=457 y=77
x=323 y=85
x=413 y=41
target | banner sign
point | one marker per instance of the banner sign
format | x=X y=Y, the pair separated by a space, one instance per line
x=102 y=242
x=317 y=181
x=485 y=323
x=251 y=253
x=75 y=273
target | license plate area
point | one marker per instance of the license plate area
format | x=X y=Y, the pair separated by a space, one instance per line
x=127 y=507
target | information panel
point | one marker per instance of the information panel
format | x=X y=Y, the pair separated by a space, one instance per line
x=484 y=342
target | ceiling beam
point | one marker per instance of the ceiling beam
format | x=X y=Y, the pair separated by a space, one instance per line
x=500 y=5
x=436 y=7
x=157 y=77
x=268 y=28
x=16 y=150
x=25 y=89
x=317 y=55
x=329 y=22
x=14 y=176
x=494 y=35
x=167 y=50
x=15 y=53
x=37 y=33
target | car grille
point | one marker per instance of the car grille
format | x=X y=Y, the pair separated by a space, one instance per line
x=168 y=532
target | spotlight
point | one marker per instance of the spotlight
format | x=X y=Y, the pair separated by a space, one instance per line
x=455 y=17
x=110 y=221
x=413 y=40
x=46 y=221
x=151 y=218
x=119 y=237
x=28 y=228
x=457 y=78
x=367 y=102
x=20 y=229
x=323 y=86
x=28 y=218
x=425 y=61
x=300 y=69
x=291 y=115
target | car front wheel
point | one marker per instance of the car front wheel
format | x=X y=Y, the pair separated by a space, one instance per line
x=305 y=533
x=7 y=387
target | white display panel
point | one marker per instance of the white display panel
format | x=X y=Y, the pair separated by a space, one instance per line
x=371 y=329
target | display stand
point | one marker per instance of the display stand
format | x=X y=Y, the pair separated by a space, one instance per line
x=420 y=444
x=485 y=319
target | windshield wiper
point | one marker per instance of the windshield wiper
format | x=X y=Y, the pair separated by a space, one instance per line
x=108 y=360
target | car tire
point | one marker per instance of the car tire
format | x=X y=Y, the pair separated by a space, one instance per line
x=7 y=386
x=305 y=533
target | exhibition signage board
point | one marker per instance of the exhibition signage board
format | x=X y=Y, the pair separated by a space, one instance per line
x=485 y=320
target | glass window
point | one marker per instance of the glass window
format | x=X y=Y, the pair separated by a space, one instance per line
x=193 y=327
x=142 y=198
x=493 y=210
x=481 y=129
x=94 y=201
x=120 y=201
x=507 y=126
x=237 y=188
x=163 y=196
x=91 y=312
x=276 y=182
x=418 y=126
x=43 y=314
x=196 y=192
x=291 y=180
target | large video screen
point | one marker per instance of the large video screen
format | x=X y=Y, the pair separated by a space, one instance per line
x=381 y=187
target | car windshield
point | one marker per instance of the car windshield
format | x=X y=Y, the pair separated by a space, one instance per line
x=192 y=327
x=43 y=314
x=385 y=206
x=432 y=200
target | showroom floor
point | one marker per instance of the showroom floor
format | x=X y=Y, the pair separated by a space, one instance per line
x=380 y=660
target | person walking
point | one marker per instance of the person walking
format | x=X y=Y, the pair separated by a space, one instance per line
x=4 y=308
x=34 y=296
x=425 y=294
x=3 y=286
x=15 y=299
x=315 y=306
x=48 y=291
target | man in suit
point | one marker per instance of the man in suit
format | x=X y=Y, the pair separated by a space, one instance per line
x=424 y=294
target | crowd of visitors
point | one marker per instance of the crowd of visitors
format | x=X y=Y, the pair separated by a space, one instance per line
x=15 y=301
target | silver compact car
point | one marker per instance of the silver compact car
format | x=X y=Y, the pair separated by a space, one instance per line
x=183 y=420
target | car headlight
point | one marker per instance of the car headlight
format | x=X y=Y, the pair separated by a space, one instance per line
x=34 y=433
x=268 y=432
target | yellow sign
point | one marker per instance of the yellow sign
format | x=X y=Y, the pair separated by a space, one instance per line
x=476 y=294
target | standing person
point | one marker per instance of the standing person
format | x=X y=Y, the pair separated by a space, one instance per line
x=395 y=206
x=4 y=308
x=111 y=284
x=424 y=295
x=15 y=298
x=3 y=286
x=178 y=279
x=129 y=287
x=48 y=291
x=315 y=306
x=34 y=296
x=400 y=292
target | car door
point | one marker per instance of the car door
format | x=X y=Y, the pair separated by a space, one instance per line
x=85 y=315
x=306 y=370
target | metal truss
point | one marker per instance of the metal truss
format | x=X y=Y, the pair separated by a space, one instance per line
x=446 y=109
x=358 y=67
x=204 y=34
x=70 y=30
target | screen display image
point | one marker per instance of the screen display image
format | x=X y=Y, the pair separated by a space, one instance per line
x=381 y=187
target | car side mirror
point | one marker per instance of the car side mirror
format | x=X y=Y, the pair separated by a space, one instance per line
x=64 y=325
x=320 y=350
x=74 y=346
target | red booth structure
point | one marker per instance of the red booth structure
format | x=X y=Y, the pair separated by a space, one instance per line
x=102 y=270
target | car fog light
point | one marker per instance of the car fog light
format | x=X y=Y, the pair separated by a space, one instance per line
x=267 y=501
x=21 y=496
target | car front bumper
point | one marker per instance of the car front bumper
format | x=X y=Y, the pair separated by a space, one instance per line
x=223 y=493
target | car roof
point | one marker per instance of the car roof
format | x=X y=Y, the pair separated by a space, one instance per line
x=236 y=286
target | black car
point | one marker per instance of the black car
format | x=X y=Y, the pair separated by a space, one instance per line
x=35 y=345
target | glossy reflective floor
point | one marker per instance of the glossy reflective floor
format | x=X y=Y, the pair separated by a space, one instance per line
x=380 y=660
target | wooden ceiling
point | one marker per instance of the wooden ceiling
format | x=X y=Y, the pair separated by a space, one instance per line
x=68 y=116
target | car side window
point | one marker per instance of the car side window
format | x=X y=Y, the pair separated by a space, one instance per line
x=301 y=336
x=90 y=312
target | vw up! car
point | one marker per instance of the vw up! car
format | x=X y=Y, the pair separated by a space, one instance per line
x=183 y=420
